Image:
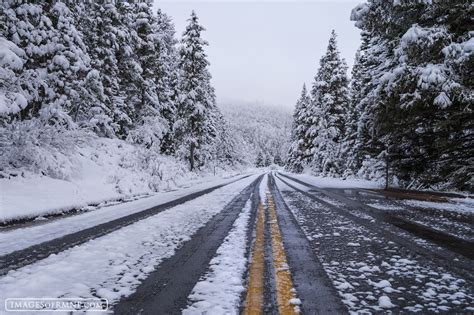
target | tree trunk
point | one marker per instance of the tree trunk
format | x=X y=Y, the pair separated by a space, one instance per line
x=191 y=156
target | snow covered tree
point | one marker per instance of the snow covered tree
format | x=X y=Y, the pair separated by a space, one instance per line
x=330 y=94
x=167 y=77
x=129 y=69
x=417 y=105
x=74 y=86
x=56 y=66
x=26 y=26
x=224 y=148
x=301 y=144
x=268 y=160
x=194 y=130
x=277 y=160
x=149 y=125
x=348 y=151
x=260 y=162
x=12 y=98
x=100 y=24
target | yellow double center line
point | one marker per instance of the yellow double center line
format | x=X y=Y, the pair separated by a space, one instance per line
x=285 y=291
x=254 y=300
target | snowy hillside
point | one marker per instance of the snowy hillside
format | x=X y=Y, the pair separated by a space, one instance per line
x=99 y=173
x=259 y=128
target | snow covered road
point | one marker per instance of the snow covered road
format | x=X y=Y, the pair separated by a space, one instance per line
x=26 y=245
x=373 y=266
x=23 y=237
x=264 y=244
x=111 y=266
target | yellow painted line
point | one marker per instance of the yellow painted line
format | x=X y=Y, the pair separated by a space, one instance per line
x=254 y=298
x=284 y=285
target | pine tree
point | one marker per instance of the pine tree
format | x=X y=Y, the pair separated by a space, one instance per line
x=167 y=76
x=12 y=99
x=260 y=162
x=224 y=146
x=130 y=70
x=277 y=160
x=28 y=28
x=416 y=104
x=194 y=130
x=268 y=160
x=330 y=103
x=149 y=125
x=100 y=24
x=300 y=148
x=356 y=144
x=57 y=71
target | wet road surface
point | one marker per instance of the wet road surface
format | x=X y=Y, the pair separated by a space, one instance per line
x=308 y=249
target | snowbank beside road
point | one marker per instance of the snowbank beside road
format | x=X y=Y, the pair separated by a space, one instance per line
x=105 y=169
x=331 y=182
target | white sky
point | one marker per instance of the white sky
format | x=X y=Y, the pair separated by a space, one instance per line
x=265 y=50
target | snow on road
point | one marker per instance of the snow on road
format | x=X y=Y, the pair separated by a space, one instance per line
x=17 y=239
x=218 y=292
x=456 y=205
x=262 y=190
x=117 y=262
x=371 y=273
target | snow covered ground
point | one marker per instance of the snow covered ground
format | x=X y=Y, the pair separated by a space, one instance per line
x=331 y=182
x=117 y=262
x=107 y=169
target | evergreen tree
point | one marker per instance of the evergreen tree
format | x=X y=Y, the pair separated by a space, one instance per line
x=330 y=104
x=260 y=162
x=12 y=98
x=277 y=160
x=149 y=125
x=129 y=69
x=356 y=144
x=194 y=130
x=100 y=24
x=224 y=146
x=417 y=104
x=268 y=160
x=56 y=66
x=167 y=76
x=301 y=144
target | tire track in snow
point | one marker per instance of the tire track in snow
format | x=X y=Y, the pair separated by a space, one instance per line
x=444 y=257
x=372 y=273
x=166 y=289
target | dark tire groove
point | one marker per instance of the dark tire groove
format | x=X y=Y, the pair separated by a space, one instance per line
x=32 y=254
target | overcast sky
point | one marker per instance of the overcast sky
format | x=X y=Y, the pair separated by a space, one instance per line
x=265 y=50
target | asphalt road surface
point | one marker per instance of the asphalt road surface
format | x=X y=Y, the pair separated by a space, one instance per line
x=268 y=243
